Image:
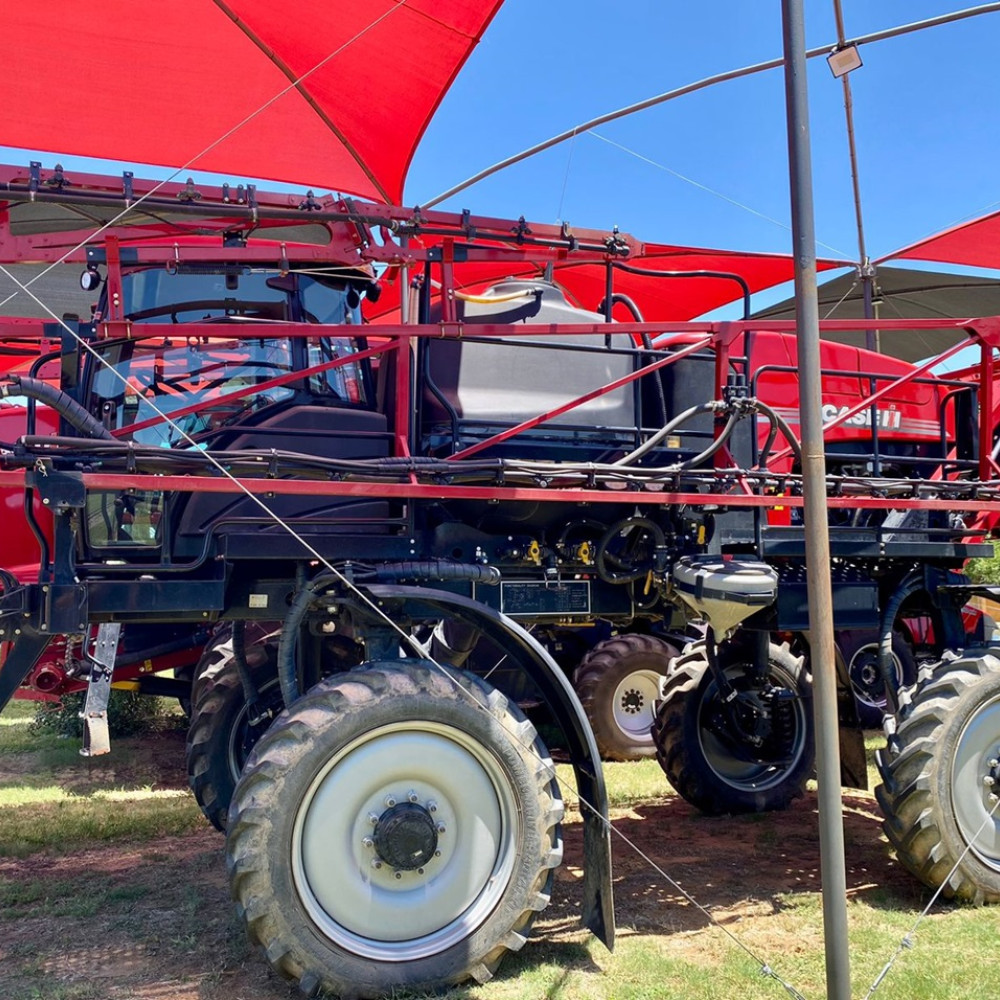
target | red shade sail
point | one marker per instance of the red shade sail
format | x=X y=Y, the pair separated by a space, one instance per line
x=658 y=298
x=974 y=244
x=173 y=84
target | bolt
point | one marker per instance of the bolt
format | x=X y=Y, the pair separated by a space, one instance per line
x=367 y=842
x=399 y=874
x=411 y=796
x=376 y=863
x=988 y=781
x=441 y=828
x=390 y=801
x=994 y=762
x=420 y=871
x=373 y=819
x=432 y=806
x=437 y=854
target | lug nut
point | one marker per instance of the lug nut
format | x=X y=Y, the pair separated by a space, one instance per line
x=390 y=801
x=441 y=828
x=399 y=874
x=368 y=842
x=988 y=781
x=432 y=806
x=376 y=863
x=411 y=796
x=373 y=819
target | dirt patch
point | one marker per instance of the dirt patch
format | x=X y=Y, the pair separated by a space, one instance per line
x=153 y=920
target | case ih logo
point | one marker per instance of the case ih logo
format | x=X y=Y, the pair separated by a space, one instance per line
x=889 y=420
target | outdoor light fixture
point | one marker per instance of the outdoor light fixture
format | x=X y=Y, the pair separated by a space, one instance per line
x=843 y=59
x=90 y=279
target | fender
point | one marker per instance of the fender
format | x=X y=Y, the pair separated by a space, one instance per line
x=529 y=655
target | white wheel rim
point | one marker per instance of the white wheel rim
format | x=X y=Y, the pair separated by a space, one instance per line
x=863 y=691
x=634 y=704
x=235 y=740
x=367 y=909
x=977 y=746
x=237 y=732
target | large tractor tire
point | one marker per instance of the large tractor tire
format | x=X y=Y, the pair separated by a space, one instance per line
x=751 y=755
x=221 y=733
x=860 y=652
x=618 y=683
x=397 y=829
x=940 y=782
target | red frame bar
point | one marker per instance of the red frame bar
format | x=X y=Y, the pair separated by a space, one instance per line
x=265 y=488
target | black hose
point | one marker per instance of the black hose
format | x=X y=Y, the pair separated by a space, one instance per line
x=910 y=585
x=437 y=569
x=778 y=420
x=427 y=569
x=626 y=573
x=625 y=300
x=250 y=692
x=289 y=638
x=724 y=436
x=67 y=407
x=666 y=429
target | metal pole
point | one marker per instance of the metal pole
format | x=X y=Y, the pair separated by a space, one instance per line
x=831 y=829
x=851 y=144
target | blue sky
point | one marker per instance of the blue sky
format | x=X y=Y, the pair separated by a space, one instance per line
x=926 y=108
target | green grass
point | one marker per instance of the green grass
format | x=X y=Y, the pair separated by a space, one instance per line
x=77 y=897
x=51 y=797
x=628 y=784
x=88 y=820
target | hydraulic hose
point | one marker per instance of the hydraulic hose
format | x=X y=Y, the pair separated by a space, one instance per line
x=628 y=302
x=666 y=429
x=724 y=436
x=250 y=692
x=910 y=585
x=779 y=421
x=436 y=569
x=432 y=569
x=626 y=573
x=67 y=407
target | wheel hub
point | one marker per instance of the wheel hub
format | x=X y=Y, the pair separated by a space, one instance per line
x=406 y=836
x=632 y=702
x=868 y=675
x=992 y=778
